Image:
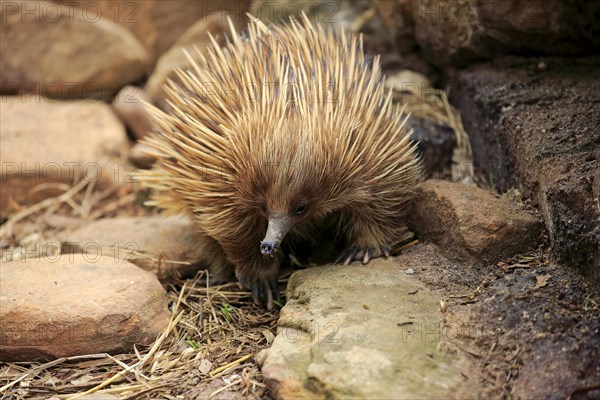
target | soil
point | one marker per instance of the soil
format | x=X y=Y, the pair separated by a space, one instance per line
x=530 y=323
x=533 y=125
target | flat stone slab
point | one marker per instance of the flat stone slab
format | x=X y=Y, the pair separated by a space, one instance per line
x=77 y=304
x=167 y=246
x=48 y=145
x=361 y=332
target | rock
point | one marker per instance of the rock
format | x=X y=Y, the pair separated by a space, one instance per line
x=436 y=144
x=408 y=81
x=48 y=144
x=541 y=340
x=46 y=49
x=157 y=23
x=458 y=33
x=140 y=156
x=398 y=26
x=128 y=105
x=471 y=224
x=356 y=332
x=537 y=130
x=196 y=37
x=393 y=62
x=69 y=305
x=167 y=246
x=596 y=200
x=596 y=189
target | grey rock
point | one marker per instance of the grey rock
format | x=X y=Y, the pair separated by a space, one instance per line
x=435 y=144
x=356 y=332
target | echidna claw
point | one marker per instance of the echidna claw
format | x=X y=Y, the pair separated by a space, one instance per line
x=363 y=254
x=265 y=292
x=368 y=254
x=256 y=289
x=274 y=288
x=347 y=256
x=385 y=250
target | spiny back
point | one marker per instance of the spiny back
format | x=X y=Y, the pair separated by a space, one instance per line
x=279 y=111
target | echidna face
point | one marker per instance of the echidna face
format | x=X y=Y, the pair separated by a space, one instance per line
x=282 y=214
x=289 y=189
x=284 y=175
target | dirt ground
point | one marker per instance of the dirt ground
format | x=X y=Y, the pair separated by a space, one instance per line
x=533 y=125
x=532 y=325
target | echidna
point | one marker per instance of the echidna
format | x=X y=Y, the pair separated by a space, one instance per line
x=284 y=131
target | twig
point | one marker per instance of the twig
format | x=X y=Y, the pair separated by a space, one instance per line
x=584 y=390
x=6 y=229
x=48 y=365
x=225 y=387
x=231 y=364
x=138 y=364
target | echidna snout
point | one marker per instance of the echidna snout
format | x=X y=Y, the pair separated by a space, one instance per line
x=279 y=225
x=268 y=248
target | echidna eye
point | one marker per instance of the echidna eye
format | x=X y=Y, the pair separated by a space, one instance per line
x=264 y=209
x=301 y=209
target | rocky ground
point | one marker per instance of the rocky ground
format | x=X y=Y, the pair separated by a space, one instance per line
x=494 y=294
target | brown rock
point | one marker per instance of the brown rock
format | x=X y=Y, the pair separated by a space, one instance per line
x=158 y=23
x=408 y=81
x=140 y=156
x=46 y=49
x=460 y=32
x=469 y=223
x=77 y=304
x=197 y=36
x=167 y=246
x=533 y=125
x=399 y=27
x=128 y=104
x=48 y=145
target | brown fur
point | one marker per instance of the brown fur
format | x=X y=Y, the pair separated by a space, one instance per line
x=286 y=115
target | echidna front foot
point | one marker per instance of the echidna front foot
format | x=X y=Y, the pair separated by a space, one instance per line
x=265 y=292
x=264 y=289
x=362 y=253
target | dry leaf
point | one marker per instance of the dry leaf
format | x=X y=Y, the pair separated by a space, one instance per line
x=268 y=335
x=205 y=366
x=442 y=305
x=82 y=380
x=542 y=280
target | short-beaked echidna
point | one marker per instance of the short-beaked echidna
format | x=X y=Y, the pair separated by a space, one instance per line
x=283 y=131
